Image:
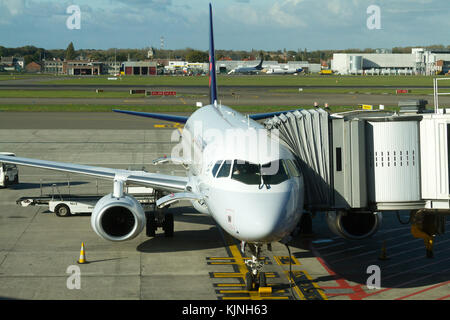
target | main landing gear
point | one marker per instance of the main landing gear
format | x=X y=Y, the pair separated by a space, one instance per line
x=255 y=277
x=160 y=218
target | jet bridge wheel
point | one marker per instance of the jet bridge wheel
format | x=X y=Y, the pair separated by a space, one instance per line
x=62 y=210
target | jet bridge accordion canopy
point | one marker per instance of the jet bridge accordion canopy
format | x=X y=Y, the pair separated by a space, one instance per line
x=306 y=134
x=369 y=160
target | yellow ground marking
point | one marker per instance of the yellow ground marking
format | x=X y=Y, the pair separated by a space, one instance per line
x=237 y=274
x=297 y=289
x=284 y=260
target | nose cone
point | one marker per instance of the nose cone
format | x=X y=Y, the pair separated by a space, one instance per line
x=266 y=217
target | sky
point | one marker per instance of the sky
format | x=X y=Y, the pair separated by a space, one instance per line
x=239 y=24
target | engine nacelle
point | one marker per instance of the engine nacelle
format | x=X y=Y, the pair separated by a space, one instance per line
x=354 y=225
x=118 y=219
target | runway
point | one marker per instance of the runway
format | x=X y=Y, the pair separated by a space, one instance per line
x=200 y=261
x=228 y=95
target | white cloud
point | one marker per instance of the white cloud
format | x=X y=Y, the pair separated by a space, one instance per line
x=14 y=7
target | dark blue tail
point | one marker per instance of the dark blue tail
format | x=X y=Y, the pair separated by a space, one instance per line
x=212 y=61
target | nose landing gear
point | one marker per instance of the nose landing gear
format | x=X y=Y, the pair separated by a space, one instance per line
x=255 y=278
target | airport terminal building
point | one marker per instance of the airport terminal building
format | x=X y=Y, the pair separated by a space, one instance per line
x=419 y=62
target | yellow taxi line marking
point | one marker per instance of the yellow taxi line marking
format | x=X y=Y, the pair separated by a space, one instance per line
x=297 y=289
x=246 y=291
x=237 y=275
x=315 y=285
x=284 y=260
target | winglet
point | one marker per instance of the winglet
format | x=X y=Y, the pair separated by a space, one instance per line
x=212 y=60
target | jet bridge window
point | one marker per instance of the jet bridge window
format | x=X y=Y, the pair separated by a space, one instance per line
x=246 y=172
x=274 y=172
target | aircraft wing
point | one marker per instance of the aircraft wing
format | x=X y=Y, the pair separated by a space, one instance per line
x=154 y=180
x=160 y=116
x=260 y=116
x=182 y=119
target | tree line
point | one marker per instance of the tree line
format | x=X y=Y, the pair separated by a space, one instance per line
x=32 y=53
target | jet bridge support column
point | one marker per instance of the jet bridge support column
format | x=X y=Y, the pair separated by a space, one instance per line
x=426 y=224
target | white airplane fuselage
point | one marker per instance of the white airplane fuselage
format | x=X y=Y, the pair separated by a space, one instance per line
x=251 y=211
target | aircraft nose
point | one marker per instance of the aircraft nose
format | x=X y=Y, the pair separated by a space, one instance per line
x=265 y=218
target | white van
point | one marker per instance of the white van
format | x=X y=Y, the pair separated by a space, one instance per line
x=9 y=174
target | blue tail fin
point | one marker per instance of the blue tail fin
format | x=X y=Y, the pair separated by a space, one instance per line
x=212 y=61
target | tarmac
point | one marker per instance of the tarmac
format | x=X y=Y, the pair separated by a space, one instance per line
x=39 y=251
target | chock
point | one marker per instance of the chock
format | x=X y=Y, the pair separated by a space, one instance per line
x=82 y=259
x=383 y=255
x=265 y=291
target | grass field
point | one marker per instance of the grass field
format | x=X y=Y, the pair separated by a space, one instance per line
x=257 y=80
x=91 y=94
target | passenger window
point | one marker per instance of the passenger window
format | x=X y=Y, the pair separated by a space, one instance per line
x=225 y=169
x=246 y=172
x=216 y=167
x=274 y=172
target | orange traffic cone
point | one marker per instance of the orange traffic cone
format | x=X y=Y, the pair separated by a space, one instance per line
x=82 y=255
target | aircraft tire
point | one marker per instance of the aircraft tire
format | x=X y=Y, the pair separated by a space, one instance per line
x=168 y=225
x=249 y=281
x=262 y=279
x=150 y=227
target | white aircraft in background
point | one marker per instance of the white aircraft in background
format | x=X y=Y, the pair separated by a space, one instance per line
x=282 y=70
x=238 y=189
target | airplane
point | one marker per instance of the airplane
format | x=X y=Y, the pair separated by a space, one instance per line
x=249 y=70
x=256 y=197
x=283 y=70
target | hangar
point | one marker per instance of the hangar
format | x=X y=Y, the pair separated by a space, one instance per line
x=419 y=61
x=139 y=68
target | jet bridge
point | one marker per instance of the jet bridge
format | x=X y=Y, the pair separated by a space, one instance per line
x=357 y=164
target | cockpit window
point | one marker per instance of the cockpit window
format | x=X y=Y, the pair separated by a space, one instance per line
x=224 y=171
x=216 y=167
x=293 y=169
x=274 y=172
x=246 y=172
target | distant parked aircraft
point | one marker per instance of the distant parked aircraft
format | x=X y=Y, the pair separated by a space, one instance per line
x=249 y=70
x=283 y=70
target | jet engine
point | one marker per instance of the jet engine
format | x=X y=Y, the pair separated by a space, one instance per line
x=354 y=225
x=118 y=219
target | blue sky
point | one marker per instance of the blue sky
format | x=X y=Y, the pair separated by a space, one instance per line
x=239 y=24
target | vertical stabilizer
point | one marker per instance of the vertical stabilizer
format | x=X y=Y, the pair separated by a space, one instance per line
x=212 y=61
